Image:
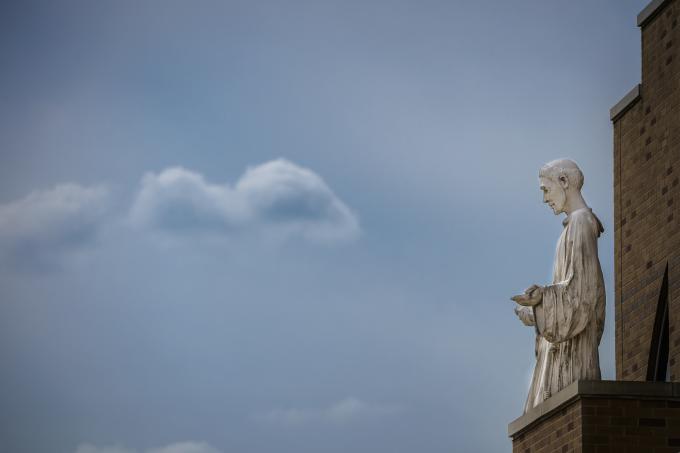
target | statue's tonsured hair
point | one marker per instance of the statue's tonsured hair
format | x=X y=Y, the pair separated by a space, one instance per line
x=563 y=167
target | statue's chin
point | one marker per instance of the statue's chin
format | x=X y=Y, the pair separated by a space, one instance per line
x=555 y=210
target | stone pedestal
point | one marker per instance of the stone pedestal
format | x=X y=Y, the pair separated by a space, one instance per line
x=603 y=417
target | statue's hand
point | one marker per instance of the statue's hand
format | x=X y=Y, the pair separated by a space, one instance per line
x=526 y=315
x=532 y=296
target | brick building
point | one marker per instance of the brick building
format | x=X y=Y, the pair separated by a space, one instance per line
x=640 y=411
x=646 y=202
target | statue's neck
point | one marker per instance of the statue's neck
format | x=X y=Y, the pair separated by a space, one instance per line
x=574 y=203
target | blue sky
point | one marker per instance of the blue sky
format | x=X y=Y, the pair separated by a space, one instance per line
x=254 y=227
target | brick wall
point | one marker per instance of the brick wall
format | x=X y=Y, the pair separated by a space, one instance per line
x=615 y=423
x=560 y=432
x=629 y=425
x=647 y=199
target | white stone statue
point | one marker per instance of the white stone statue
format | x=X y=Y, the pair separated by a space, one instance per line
x=569 y=313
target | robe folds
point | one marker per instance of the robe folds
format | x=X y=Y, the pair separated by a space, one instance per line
x=570 y=319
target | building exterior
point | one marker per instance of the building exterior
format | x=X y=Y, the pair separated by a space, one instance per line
x=640 y=411
x=646 y=206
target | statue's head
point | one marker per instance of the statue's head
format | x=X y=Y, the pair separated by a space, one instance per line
x=561 y=181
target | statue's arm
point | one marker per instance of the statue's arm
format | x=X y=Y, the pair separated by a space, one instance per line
x=568 y=306
x=526 y=315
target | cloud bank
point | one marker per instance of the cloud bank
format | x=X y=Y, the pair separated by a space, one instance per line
x=180 y=447
x=44 y=223
x=276 y=197
x=343 y=411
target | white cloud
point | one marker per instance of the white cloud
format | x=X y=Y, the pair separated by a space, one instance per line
x=276 y=197
x=185 y=447
x=46 y=222
x=89 y=448
x=180 y=447
x=343 y=411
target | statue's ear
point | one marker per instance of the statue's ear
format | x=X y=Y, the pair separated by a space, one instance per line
x=564 y=181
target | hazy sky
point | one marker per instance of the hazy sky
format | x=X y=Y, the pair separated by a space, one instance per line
x=288 y=226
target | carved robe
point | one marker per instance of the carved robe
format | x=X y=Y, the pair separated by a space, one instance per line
x=570 y=319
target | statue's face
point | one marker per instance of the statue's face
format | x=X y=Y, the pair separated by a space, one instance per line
x=553 y=194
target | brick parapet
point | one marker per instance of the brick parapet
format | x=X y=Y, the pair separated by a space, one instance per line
x=603 y=416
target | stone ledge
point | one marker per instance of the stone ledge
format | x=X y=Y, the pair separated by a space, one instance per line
x=625 y=103
x=649 y=12
x=594 y=389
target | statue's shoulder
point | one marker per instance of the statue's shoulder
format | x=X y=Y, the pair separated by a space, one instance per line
x=586 y=218
x=581 y=215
